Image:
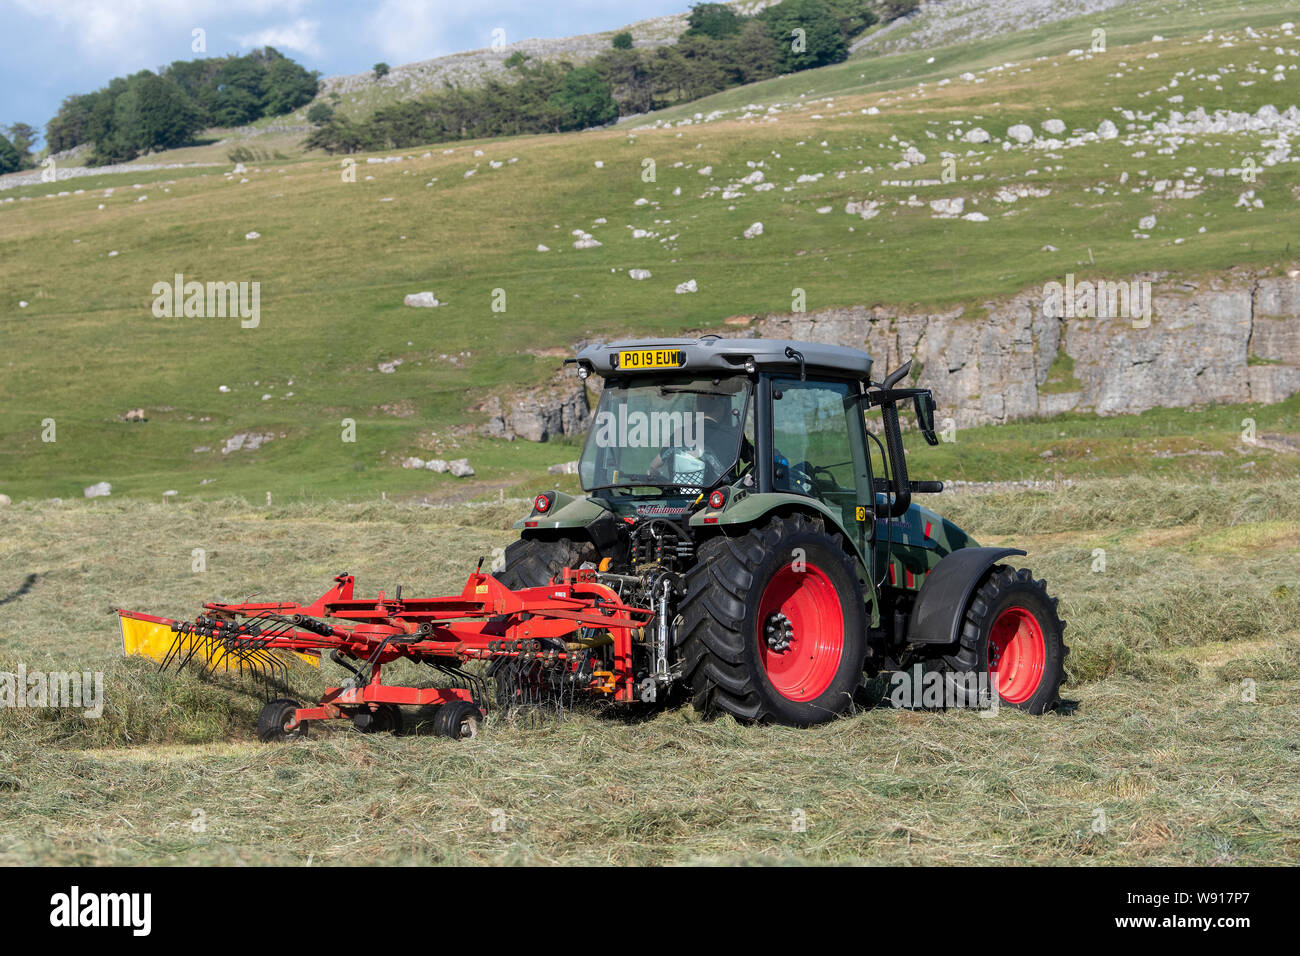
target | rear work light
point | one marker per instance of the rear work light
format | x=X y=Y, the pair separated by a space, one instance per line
x=542 y=503
x=717 y=499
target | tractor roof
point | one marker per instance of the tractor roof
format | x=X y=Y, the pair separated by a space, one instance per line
x=715 y=353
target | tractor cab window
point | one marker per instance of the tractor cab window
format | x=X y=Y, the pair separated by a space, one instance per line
x=812 y=453
x=667 y=432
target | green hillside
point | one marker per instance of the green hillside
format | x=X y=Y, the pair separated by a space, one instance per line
x=334 y=258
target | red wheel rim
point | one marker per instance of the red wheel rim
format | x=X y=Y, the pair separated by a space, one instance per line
x=1017 y=655
x=809 y=602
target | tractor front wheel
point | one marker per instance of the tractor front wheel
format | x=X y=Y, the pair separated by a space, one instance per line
x=1013 y=633
x=773 y=624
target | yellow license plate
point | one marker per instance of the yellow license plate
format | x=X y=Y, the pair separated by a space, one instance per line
x=651 y=358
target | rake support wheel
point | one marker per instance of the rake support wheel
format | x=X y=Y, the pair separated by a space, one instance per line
x=274 y=719
x=459 y=720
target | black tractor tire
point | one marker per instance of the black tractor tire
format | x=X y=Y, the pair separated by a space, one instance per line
x=273 y=718
x=1016 y=615
x=739 y=589
x=534 y=562
x=459 y=720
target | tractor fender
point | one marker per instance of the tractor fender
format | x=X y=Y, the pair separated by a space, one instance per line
x=745 y=509
x=941 y=604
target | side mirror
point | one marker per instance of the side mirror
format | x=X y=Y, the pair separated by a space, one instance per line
x=923 y=402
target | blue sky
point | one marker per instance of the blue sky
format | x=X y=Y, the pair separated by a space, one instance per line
x=51 y=48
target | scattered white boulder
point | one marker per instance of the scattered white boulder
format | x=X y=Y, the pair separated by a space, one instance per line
x=460 y=468
x=542 y=248
x=436 y=465
x=239 y=170
x=223 y=388
x=1147 y=223
x=22 y=304
x=976 y=134
x=586 y=241
x=1020 y=133
x=948 y=208
x=412 y=462
x=252 y=235
x=866 y=209
x=388 y=368
x=688 y=286
x=975 y=217
x=564 y=468
x=1054 y=126
x=100 y=489
x=755 y=230
x=245 y=441
x=638 y=274
x=6 y=500
x=914 y=156
x=170 y=493
x=1107 y=130
x=422 y=300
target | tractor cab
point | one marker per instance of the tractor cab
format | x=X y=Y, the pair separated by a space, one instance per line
x=688 y=426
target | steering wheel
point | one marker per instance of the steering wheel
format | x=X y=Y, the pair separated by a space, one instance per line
x=712 y=465
x=804 y=475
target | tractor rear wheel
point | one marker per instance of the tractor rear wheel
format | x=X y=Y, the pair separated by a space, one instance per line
x=534 y=562
x=773 y=624
x=1013 y=633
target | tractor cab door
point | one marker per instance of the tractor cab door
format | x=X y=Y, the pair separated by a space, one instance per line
x=818 y=450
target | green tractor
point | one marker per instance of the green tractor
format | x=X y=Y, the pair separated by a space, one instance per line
x=735 y=487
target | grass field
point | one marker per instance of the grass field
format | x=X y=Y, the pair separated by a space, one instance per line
x=1172 y=538
x=334 y=258
x=1159 y=757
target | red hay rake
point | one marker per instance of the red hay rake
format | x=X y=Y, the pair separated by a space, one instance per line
x=537 y=643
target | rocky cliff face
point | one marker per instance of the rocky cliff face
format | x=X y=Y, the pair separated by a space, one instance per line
x=558 y=408
x=1235 y=340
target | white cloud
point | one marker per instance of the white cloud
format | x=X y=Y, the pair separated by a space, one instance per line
x=114 y=31
x=408 y=30
x=301 y=36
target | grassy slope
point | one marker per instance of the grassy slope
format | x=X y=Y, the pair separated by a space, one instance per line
x=334 y=266
x=1200 y=592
